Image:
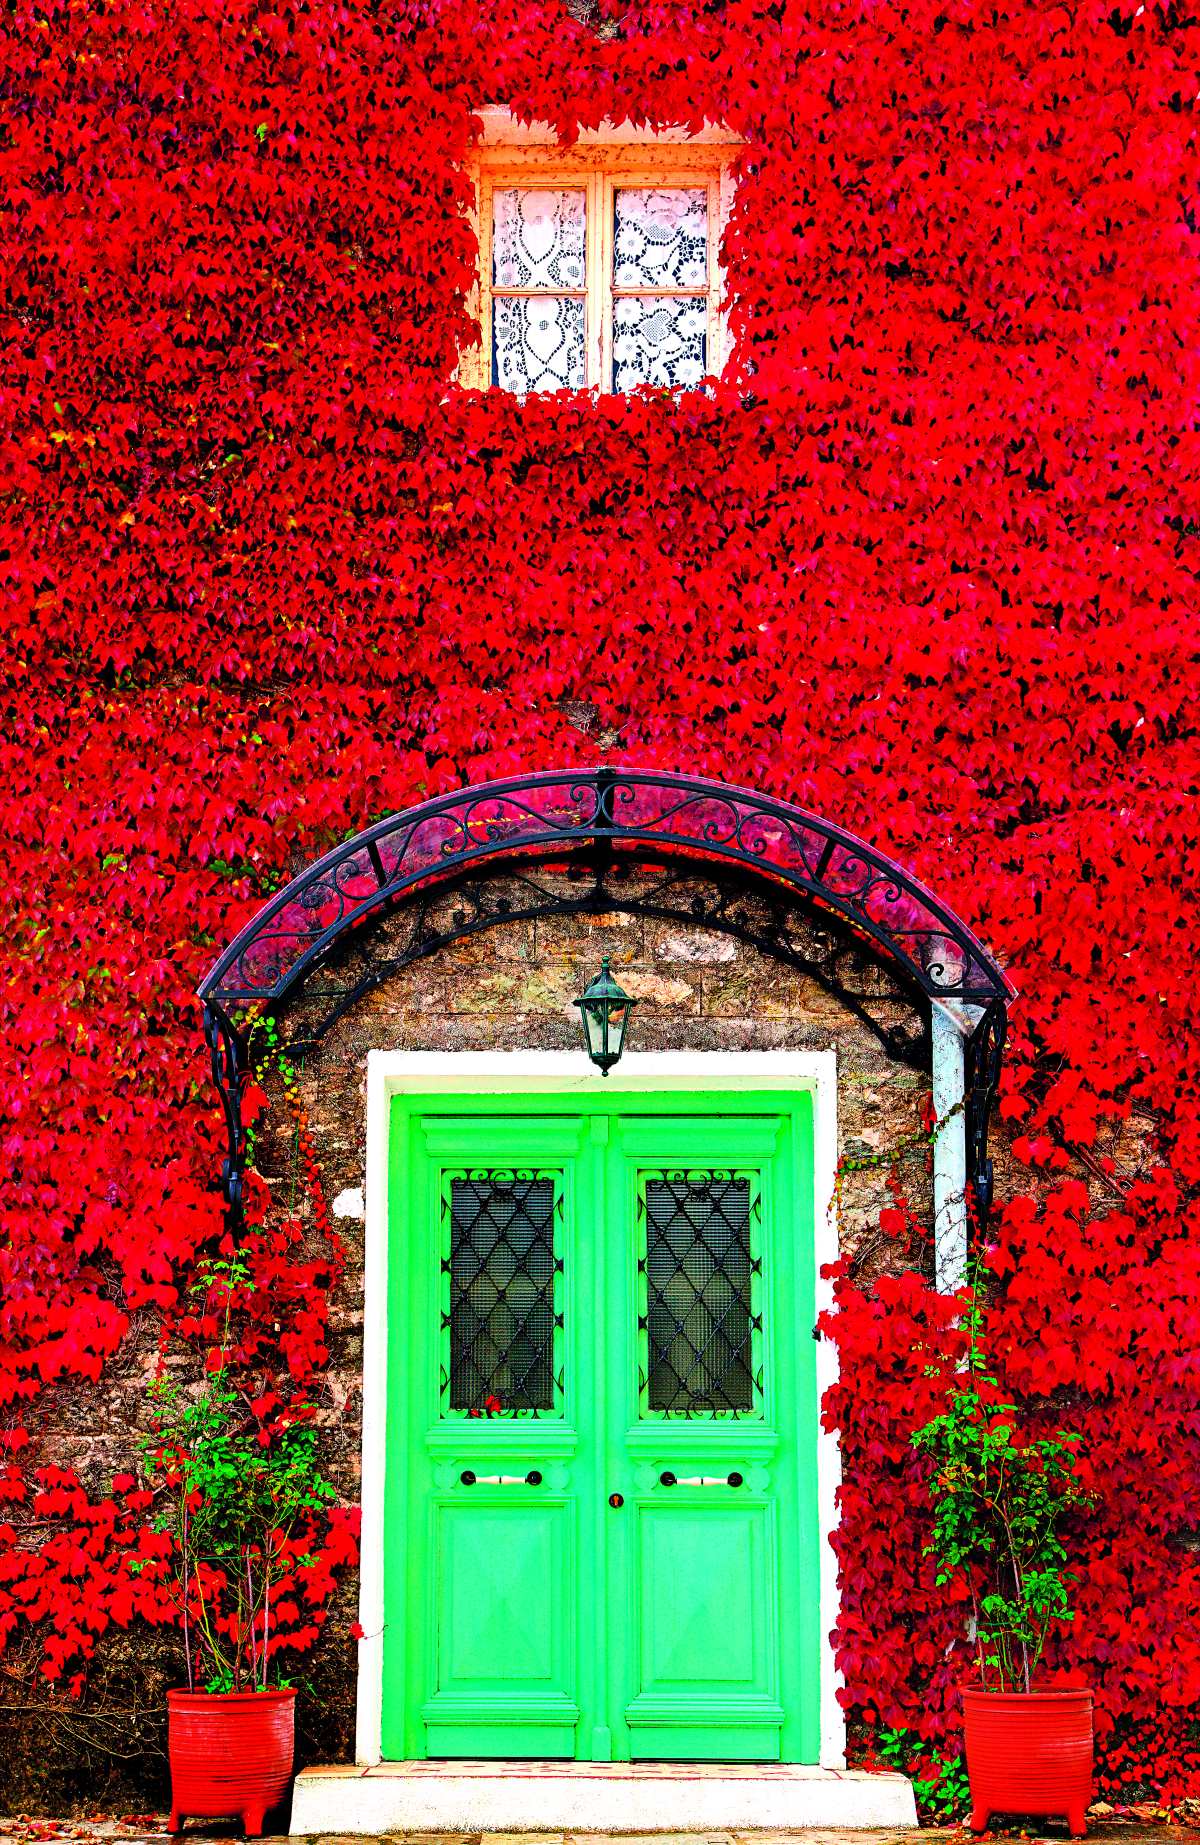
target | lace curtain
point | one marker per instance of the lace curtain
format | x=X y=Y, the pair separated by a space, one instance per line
x=660 y=241
x=539 y=275
x=539 y=244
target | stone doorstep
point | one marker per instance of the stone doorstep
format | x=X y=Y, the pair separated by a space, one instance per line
x=603 y=1797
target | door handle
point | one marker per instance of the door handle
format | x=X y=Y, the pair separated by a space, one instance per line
x=532 y=1478
x=700 y=1479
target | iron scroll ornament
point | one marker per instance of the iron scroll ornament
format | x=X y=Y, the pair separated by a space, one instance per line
x=799 y=859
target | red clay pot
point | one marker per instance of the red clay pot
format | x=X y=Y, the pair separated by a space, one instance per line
x=231 y=1753
x=1029 y=1752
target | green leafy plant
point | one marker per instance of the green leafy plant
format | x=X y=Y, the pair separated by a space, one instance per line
x=1001 y=1495
x=939 y=1781
x=239 y=1497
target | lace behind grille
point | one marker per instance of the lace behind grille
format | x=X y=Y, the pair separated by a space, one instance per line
x=699 y=1312
x=502 y=1269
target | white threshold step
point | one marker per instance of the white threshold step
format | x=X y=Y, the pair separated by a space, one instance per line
x=675 y=1797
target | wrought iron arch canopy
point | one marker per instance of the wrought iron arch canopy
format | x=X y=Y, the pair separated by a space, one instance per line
x=588 y=818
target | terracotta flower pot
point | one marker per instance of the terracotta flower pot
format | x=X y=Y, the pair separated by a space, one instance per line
x=1029 y=1752
x=231 y=1753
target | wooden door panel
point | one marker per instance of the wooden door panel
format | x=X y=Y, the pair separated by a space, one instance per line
x=701 y=1199
x=707 y=1614
x=486 y=1637
x=505 y=1586
x=706 y=1597
x=708 y=1631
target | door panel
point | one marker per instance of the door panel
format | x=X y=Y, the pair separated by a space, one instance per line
x=703 y=1572
x=601 y=1517
x=708 y=1636
x=503 y=1626
x=484 y=1645
x=512 y=1635
x=702 y=1673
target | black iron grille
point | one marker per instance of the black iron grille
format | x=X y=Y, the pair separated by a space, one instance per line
x=699 y=1271
x=502 y=1268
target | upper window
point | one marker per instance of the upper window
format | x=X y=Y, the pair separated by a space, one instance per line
x=599 y=263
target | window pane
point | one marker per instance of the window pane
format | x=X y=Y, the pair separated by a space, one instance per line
x=659 y=339
x=537 y=343
x=502 y=1268
x=661 y=239
x=698 y=1281
x=537 y=239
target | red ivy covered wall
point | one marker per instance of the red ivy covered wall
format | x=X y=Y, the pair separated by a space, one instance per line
x=932 y=572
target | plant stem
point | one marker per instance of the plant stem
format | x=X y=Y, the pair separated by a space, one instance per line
x=187 y=1642
x=250 y=1605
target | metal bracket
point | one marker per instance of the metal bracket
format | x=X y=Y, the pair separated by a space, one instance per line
x=230 y=1074
x=984 y=1058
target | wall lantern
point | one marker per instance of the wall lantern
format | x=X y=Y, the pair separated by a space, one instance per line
x=604 y=1013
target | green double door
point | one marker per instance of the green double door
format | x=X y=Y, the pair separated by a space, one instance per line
x=601 y=1525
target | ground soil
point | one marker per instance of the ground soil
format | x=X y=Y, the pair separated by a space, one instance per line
x=1104 y=1828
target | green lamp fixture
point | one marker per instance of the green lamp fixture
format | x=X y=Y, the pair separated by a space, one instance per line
x=604 y=1014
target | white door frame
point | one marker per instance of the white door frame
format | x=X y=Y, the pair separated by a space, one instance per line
x=567 y=1073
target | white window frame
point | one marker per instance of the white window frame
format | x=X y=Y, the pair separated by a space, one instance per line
x=509 y=154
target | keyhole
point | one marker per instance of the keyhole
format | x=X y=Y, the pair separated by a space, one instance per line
x=616 y=1501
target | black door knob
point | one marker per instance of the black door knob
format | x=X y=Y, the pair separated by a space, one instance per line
x=616 y=1501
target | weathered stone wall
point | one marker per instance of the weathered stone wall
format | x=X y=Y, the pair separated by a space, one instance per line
x=516 y=983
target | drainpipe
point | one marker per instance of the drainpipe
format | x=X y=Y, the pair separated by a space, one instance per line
x=949 y=1151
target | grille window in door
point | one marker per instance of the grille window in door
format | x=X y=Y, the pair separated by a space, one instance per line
x=501 y=1268
x=700 y=1275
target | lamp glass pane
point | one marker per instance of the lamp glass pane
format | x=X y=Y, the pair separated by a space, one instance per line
x=595 y=1026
